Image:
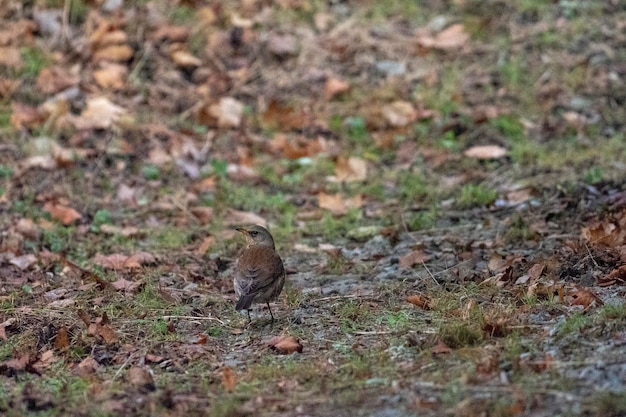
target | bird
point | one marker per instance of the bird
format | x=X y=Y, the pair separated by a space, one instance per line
x=259 y=272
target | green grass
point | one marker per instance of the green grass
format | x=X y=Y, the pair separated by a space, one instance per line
x=479 y=195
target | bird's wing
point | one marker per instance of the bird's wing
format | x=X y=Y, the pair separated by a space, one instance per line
x=259 y=273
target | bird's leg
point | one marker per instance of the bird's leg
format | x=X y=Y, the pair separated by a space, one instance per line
x=268 y=307
x=249 y=319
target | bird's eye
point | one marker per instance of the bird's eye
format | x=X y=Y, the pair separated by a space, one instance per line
x=254 y=233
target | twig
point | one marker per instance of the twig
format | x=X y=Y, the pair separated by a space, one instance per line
x=193 y=318
x=371 y=333
x=429 y=273
x=121 y=368
x=339 y=297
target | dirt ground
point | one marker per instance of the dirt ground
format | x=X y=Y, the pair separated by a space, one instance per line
x=444 y=182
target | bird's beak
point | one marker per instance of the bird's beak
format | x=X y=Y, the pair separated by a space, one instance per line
x=241 y=229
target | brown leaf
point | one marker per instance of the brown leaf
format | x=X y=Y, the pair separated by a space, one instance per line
x=416 y=256
x=62 y=340
x=107 y=333
x=113 y=261
x=349 y=170
x=141 y=377
x=338 y=204
x=617 y=275
x=46 y=359
x=111 y=76
x=114 y=53
x=228 y=112
x=185 y=59
x=440 y=348
x=278 y=116
x=4 y=325
x=486 y=152
x=24 y=117
x=419 y=300
x=335 y=86
x=228 y=379
x=55 y=79
x=64 y=214
x=585 y=298
x=86 y=367
x=139 y=259
x=285 y=345
x=453 y=37
x=100 y=113
x=15 y=364
x=399 y=113
x=128 y=286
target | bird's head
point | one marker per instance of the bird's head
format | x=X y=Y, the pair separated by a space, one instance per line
x=256 y=235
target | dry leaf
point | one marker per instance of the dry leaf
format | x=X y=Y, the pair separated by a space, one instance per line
x=337 y=204
x=185 y=59
x=111 y=76
x=228 y=112
x=453 y=37
x=100 y=113
x=64 y=214
x=285 y=345
x=419 y=300
x=139 y=259
x=486 y=152
x=440 y=348
x=278 y=116
x=62 y=340
x=86 y=367
x=114 y=53
x=113 y=261
x=141 y=377
x=23 y=262
x=55 y=79
x=335 y=86
x=228 y=379
x=349 y=170
x=584 y=298
x=399 y=113
x=416 y=256
x=122 y=284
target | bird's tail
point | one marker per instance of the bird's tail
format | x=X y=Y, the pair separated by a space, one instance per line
x=245 y=301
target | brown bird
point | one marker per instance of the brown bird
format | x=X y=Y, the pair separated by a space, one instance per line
x=259 y=273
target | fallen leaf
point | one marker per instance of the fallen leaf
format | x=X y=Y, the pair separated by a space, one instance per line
x=55 y=79
x=24 y=262
x=100 y=113
x=111 y=76
x=228 y=379
x=141 y=377
x=62 y=340
x=399 y=113
x=4 y=325
x=86 y=367
x=139 y=259
x=278 y=116
x=615 y=276
x=113 y=261
x=453 y=37
x=285 y=345
x=11 y=366
x=440 y=348
x=64 y=214
x=114 y=53
x=185 y=59
x=338 y=204
x=335 y=86
x=419 y=300
x=585 y=298
x=416 y=256
x=485 y=152
x=349 y=170
x=128 y=286
x=228 y=112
